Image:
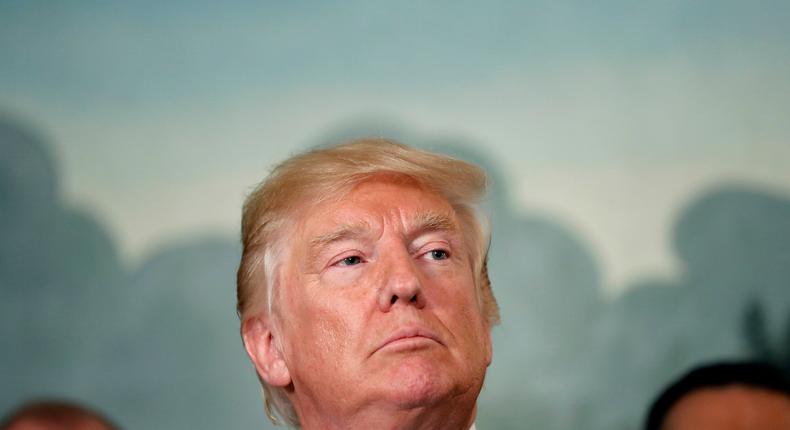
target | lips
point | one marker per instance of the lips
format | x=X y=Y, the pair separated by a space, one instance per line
x=408 y=337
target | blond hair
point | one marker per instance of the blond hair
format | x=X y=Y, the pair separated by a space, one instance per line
x=320 y=174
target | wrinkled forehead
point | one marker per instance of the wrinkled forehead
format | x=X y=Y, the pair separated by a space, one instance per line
x=337 y=190
x=376 y=201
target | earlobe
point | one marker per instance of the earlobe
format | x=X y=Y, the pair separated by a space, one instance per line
x=263 y=351
x=489 y=346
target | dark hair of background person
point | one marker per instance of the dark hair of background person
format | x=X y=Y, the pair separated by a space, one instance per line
x=751 y=374
x=56 y=415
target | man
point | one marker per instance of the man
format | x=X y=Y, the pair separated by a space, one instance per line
x=724 y=396
x=363 y=291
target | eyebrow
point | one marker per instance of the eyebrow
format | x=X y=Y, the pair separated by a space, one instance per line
x=432 y=221
x=343 y=232
x=423 y=223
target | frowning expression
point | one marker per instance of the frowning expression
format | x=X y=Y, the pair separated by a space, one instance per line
x=377 y=303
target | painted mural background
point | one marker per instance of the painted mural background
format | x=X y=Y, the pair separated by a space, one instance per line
x=640 y=202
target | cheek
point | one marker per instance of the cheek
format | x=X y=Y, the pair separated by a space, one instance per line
x=327 y=326
x=331 y=336
x=454 y=291
x=462 y=310
x=342 y=277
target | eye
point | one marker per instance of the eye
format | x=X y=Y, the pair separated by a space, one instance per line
x=438 y=254
x=351 y=260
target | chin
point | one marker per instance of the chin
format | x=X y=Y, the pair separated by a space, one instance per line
x=419 y=382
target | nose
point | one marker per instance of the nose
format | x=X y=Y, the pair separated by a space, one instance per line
x=401 y=284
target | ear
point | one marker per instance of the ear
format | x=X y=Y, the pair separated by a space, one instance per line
x=264 y=352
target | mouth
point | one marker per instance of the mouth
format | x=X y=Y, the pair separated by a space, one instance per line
x=408 y=339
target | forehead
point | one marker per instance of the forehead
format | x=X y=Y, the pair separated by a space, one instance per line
x=378 y=200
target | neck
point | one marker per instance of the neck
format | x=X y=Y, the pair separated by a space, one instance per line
x=457 y=415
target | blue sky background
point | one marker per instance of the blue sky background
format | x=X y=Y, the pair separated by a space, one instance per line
x=609 y=118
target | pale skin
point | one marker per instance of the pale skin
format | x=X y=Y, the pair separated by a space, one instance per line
x=376 y=322
x=736 y=407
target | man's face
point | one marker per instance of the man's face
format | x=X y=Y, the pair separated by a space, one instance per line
x=377 y=303
x=731 y=408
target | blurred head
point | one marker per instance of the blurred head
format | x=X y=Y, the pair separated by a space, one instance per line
x=55 y=415
x=724 y=396
x=346 y=249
